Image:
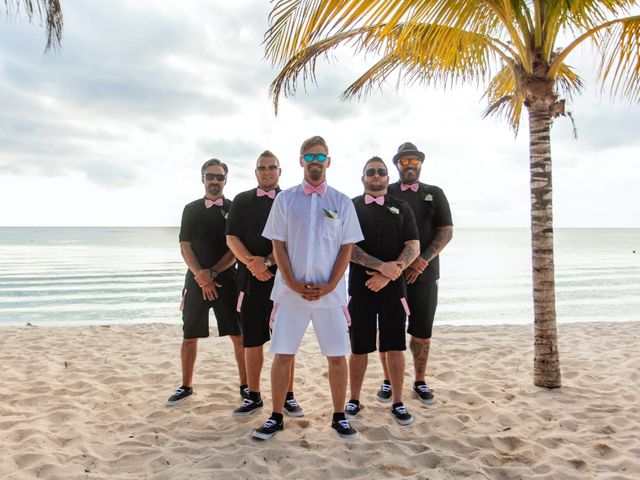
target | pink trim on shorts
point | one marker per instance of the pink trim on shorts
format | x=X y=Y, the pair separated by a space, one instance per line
x=346 y=314
x=405 y=305
x=239 y=304
x=181 y=307
x=272 y=317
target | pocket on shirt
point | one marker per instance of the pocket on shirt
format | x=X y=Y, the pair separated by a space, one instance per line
x=331 y=228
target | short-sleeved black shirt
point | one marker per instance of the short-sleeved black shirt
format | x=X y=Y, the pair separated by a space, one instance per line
x=204 y=228
x=431 y=209
x=247 y=218
x=386 y=228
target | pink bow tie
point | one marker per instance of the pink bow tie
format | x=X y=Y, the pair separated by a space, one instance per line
x=369 y=199
x=405 y=186
x=264 y=193
x=210 y=203
x=309 y=189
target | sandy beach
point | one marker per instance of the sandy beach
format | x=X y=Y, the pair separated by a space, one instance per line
x=88 y=402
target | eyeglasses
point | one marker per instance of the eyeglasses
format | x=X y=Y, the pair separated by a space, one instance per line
x=215 y=176
x=264 y=168
x=308 y=157
x=370 y=172
x=406 y=161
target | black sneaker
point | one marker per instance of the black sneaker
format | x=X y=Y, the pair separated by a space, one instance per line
x=247 y=408
x=292 y=408
x=424 y=393
x=384 y=394
x=344 y=429
x=351 y=410
x=268 y=430
x=181 y=394
x=244 y=393
x=402 y=416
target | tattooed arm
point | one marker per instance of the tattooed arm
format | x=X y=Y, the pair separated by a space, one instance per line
x=442 y=238
x=409 y=253
x=390 y=270
x=421 y=262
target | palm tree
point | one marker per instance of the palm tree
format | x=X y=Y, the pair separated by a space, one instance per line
x=511 y=46
x=47 y=11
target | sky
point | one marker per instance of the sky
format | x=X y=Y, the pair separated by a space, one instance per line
x=113 y=128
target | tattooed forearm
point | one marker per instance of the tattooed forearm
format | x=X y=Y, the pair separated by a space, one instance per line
x=409 y=253
x=420 y=352
x=443 y=237
x=361 y=257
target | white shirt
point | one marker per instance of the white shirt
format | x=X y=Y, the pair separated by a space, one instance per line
x=313 y=227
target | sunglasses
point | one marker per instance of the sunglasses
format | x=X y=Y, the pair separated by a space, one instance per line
x=308 y=157
x=215 y=176
x=370 y=172
x=409 y=161
x=264 y=168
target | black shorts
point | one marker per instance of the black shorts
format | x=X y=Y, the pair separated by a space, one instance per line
x=423 y=301
x=391 y=318
x=195 y=309
x=255 y=312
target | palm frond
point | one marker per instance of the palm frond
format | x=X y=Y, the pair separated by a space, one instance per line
x=619 y=45
x=504 y=98
x=47 y=11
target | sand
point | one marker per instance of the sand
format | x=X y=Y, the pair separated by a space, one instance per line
x=88 y=402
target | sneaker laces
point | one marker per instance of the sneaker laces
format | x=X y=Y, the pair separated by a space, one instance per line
x=291 y=402
x=385 y=387
x=246 y=402
x=269 y=423
x=352 y=406
x=423 y=388
x=179 y=391
x=401 y=409
x=344 y=424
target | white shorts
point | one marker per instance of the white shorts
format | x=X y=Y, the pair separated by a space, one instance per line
x=330 y=325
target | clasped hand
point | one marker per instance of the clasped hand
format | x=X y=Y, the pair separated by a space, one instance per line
x=258 y=269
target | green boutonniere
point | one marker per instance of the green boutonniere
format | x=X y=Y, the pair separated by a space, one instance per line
x=330 y=214
x=393 y=210
x=224 y=214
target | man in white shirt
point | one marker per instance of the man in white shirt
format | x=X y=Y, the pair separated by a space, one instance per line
x=313 y=228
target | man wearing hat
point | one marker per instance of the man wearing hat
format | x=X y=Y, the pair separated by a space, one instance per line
x=435 y=229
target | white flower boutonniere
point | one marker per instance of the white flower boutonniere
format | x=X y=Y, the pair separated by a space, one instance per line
x=393 y=210
x=428 y=197
x=224 y=214
x=330 y=214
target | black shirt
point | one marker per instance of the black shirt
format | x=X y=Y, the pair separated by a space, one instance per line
x=431 y=209
x=247 y=218
x=386 y=228
x=204 y=228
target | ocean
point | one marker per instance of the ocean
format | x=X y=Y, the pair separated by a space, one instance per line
x=60 y=276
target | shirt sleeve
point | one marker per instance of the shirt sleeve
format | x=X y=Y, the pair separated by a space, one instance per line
x=442 y=217
x=351 y=231
x=410 y=227
x=234 y=219
x=276 y=226
x=186 y=225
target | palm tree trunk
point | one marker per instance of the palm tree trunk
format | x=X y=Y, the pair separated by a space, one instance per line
x=546 y=361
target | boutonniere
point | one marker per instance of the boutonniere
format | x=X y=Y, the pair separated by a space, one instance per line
x=224 y=214
x=428 y=197
x=330 y=214
x=393 y=210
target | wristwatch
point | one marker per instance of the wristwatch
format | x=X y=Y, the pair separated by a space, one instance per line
x=214 y=274
x=268 y=262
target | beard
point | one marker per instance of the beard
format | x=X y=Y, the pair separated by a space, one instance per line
x=214 y=189
x=409 y=176
x=315 y=174
x=377 y=187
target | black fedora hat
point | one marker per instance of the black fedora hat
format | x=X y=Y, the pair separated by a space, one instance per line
x=407 y=149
